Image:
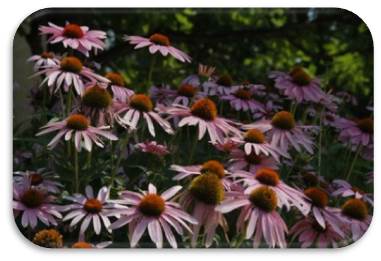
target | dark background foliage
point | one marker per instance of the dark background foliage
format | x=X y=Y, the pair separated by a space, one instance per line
x=247 y=43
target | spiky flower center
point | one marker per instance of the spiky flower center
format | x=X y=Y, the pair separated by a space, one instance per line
x=35 y=179
x=207 y=188
x=32 y=198
x=49 y=238
x=81 y=244
x=115 y=78
x=141 y=102
x=254 y=136
x=77 y=122
x=253 y=158
x=213 y=167
x=267 y=176
x=355 y=208
x=187 y=90
x=205 y=109
x=160 y=39
x=310 y=179
x=97 y=97
x=366 y=125
x=71 y=64
x=300 y=76
x=264 y=198
x=47 y=55
x=93 y=205
x=152 y=205
x=73 y=31
x=243 y=94
x=319 y=198
x=283 y=120
x=225 y=80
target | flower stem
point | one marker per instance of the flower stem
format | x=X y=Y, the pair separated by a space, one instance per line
x=76 y=171
x=150 y=71
x=353 y=162
x=123 y=145
x=320 y=143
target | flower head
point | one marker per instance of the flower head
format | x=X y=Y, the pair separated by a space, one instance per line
x=49 y=238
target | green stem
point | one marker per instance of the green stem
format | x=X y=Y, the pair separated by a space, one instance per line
x=62 y=104
x=69 y=102
x=123 y=145
x=320 y=142
x=76 y=171
x=353 y=162
x=150 y=71
x=193 y=148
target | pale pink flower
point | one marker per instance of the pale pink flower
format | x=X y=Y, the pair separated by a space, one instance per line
x=285 y=133
x=218 y=86
x=43 y=60
x=77 y=37
x=162 y=94
x=211 y=166
x=84 y=244
x=242 y=99
x=90 y=209
x=203 y=113
x=258 y=217
x=39 y=179
x=118 y=86
x=78 y=128
x=286 y=195
x=344 y=189
x=298 y=85
x=35 y=205
x=69 y=73
x=309 y=232
x=240 y=161
x=158 y=43
x=254 y=141
x=137 y=107
x=227 y=146
x=154 y=212
x=356 y=133
x=354 y=214
x=153 y=147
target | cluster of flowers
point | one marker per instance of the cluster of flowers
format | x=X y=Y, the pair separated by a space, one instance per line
x=246 y=123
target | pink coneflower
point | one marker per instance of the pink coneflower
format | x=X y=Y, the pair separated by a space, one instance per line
x=87 y=209
x=241 y=99
x=203 y=113
x=321 y=212
x=69 y=73
x=270 y=108
x=286 y=195
x=355 y=215
x=344 y=189
x=158 y=42
x=43 y=60
x=239 y=160
x=77 y=37
x=77 y=127
x=347 y=97
x=155 y=212
x=254 y=141
x=39 y=179
x=140 y=106
x=227 y=145
x=118 y=86
x=284 y=132
x=356 y=133
x=309 y=232
x=212 y=166
x=162 y=94
x=153 y=147
x=298 y=85
x=35 y=205
x=220 y=86
x=186 y=93
x=204 y=193
x=204 y=74
x=258 y=217
x=96 y=103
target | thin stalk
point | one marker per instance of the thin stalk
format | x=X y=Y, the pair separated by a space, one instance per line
x=193 y=148
x=353 y=163
x=320 y=142
x=150 y=71
x=123 y=145
x=76 y=171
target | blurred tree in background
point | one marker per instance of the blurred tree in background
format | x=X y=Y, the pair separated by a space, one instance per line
x=334 y=44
